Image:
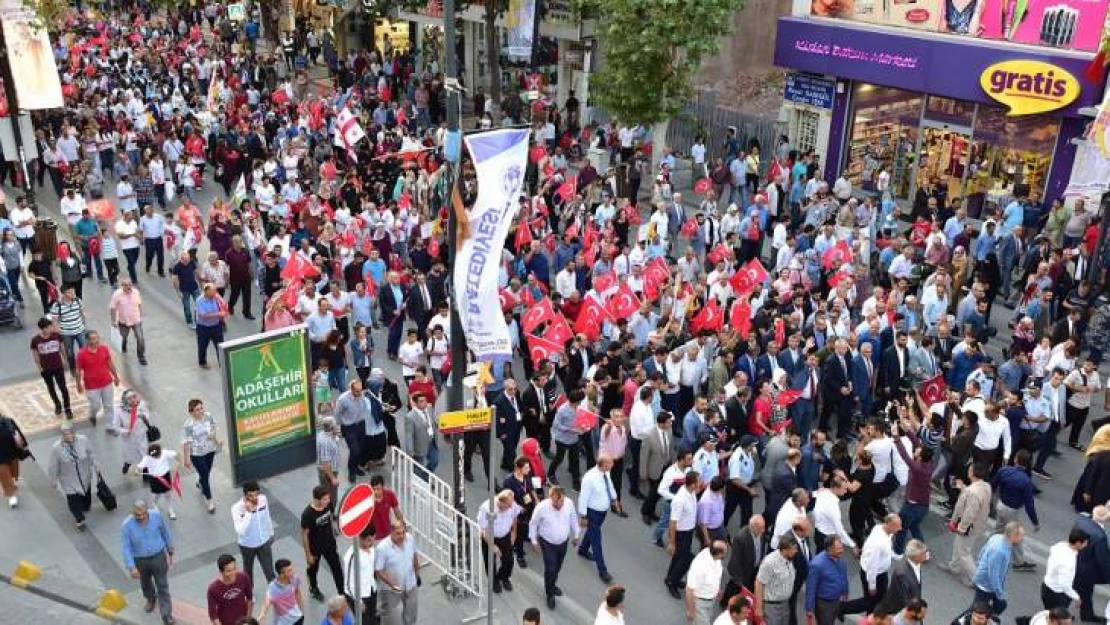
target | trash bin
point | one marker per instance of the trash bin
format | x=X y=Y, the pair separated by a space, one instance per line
x=46 y=237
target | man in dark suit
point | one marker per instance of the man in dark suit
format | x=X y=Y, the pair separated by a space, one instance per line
x=657 y=362
x=421 y=305
x=1070 y=326
x=1092 y=566
x=895 y=366
x=905 y=579
x=805 y=379
x=793 y=359
x=657 y=452
x=746 y=362
x=836 y=383
x=863 y=378
x=766 y=364
x=537 y=412
x=801 y=532
x=784 y=479
x=509 y=419
x=392 y=296
x=579 y=359
x=749 y=546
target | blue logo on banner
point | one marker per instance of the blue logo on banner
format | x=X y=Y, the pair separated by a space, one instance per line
x=816 y=91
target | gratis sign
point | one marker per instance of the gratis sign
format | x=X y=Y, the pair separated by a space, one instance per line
x=269 y=402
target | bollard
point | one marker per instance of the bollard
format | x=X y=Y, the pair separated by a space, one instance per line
x=110 y=604
x=25 y=574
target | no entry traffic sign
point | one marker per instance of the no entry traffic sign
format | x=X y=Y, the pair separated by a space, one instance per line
x=355 y=510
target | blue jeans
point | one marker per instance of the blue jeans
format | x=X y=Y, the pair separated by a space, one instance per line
x=72 y=343
x=337 y=378
x=203 y=465
x=660 y=530
x=91 y=261
x=997 y=605
x=802 y=412
x=13 y=283
x=188 y=303
x=591 y=543
x=912 y=515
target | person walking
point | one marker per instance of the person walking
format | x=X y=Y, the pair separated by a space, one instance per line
x=826 y=583
x=1014 y=489
x=127 y=230
x=126 y=311
x=553 y=524
x=318 y=540
x=254 y=529
x=367 y=590
x=183 y=277
x=969 y=523
x=284 y=595
x=526 y=494
x=1058 y=589
x=703 y=583
x=239 y=281
x=231 y=594
x=69 y=313
x=13 y=449
x=396 y=566
x=775 y=583
x=148 y=555
x=73 y=469
x=595 y=498
x=157 y=467
x=131 y=421
x=153 y=226
x=874 y=563
x=680 y=532
x=994 y=566
x=328 y=456
x=420 y=434
x=48 y=352
x=352 y=409
x=211 y=312
x=96 y=376
x=199 y=446
x=504 y=512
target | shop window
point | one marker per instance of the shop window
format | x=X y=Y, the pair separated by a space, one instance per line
x=1007 y=152
x=805 y=129
x=884 y=132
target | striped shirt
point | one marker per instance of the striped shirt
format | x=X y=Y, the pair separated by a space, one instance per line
x=327 y=450
x=70 y=317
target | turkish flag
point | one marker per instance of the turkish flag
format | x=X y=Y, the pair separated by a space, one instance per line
x=542 y=312
x=748 y=278
x=433 y=247
x=837 y=278
x=658 y=268
x=836 y=255
x=507 y=299
x=719 y=253
x=780 y=331
x=541 y=349
x=549 y=243
x=933 y=389
x=709 y=317
x=102 y=210
x=280 y=96
x=652 y=284
x=536 y=153
x=558 y=330
x=572 y=230
x=741 y=318
x=788 y=397
x=590 y=236
x=701 y=187
x=590 y=255
x=523 y=237
x=623 y=303
x=559 y=401
x=590 y=318
x=585 y=420
x=297 y=267
x=51 y=292
x=290 y=295
x=527 y=296
x=568 y=188
x=605 y=281
x=690 y=228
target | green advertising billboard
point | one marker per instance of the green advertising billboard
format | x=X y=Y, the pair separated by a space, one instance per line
x=268 y=391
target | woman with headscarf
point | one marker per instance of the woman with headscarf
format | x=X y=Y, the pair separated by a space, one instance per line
x=132 y=422
x=1093 y=487
x=73 y=470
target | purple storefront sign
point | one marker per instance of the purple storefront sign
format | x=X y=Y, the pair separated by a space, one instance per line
x=932 y=64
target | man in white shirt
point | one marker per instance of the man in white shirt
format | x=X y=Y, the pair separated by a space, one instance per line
x=71 y=206
x=255 y=530
x=827 y=517
x=595 y=498
x=789 y=513
x=680 y=532
x=367 y=588
x=553 y=523
x=503 y=538
x=23 y=223
x=703 y=583
x=1059 y=574
x=842 y=188
x=874 y=562
x=566 y=281
x=153 y=226
x=125 y=194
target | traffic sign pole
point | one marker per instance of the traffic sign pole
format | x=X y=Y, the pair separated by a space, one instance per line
x=356 y=510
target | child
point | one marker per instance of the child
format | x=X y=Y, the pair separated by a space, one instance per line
x=157 y=468
x=323 y=389
x=109 y=253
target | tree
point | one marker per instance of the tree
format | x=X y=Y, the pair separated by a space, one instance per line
x=652 y=49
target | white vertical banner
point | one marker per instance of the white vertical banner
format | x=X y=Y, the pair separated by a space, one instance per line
x=521 y=22
x=500 y=158
x=37 y=84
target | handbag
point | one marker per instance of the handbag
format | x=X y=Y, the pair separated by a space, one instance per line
x=104 y=494
x=153 y=434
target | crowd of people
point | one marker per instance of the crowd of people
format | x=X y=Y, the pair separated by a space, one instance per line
x=778 y=343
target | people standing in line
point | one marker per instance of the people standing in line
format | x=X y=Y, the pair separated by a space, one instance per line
x=73 y=470
x=367 y=590
x=284 y=596
x=775 y=583
x=148 y=555
x=199 y=446
x=255 y=530
x=211 y=312
x=126 y=311
x=131 y=421
x=396 y=567
x=231 y=594
x=553 y=524
x=595 y=498
x=703 y=583
x=505 y=513
x=318 y=539
x=994 y=567
x=48 y=352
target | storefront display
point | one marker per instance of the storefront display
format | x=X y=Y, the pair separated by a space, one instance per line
x=394 y=35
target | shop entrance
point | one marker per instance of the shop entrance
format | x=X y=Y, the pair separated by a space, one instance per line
x=942 y=160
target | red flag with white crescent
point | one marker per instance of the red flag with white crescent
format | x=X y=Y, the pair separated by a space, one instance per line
x=623 y=303
x=506 y=298
x=748 y=278
x=542 y=312
x=297 y=267
x=741 y=318
x=590 y=318
x=604 y=282
x=720 y=252
x=701 y=187
x=541 y=349
x=690 y=228
x=708 y=318
x=523 y=236
x=836 y=255
x=558 y=330
x=933 y=389
x=585 y=420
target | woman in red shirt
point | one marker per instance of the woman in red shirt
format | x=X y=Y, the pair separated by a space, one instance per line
x=423 y=384
x=759 y=423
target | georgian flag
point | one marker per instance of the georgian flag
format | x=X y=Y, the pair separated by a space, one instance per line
x=348 y=131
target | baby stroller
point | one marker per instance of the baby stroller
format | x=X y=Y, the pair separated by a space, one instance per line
x=9 y=308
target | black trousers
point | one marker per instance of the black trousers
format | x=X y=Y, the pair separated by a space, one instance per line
x=617 y=473
x=265 y=556
x=867 y=603
x=476 y=441
x=329 y=554
x=633 y=455
x=553 y=556
x=369 y=609
x=1077 y=418
x=680 y=560
x=155 y=250
x=56 y=385
x=132 y=256
x=1052 y=599
x=238 y=289
x=561 y=451
x=651 y=500
x=79 y=504
x=736 y=498
x=505 y=561
x=353 y=435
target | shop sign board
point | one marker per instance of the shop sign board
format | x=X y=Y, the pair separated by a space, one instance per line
x=810 y=90
x=1029 y=87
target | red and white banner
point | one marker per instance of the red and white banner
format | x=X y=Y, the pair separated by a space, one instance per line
x=348 y=131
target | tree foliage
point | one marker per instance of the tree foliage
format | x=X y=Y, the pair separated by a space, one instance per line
x=651 y=50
